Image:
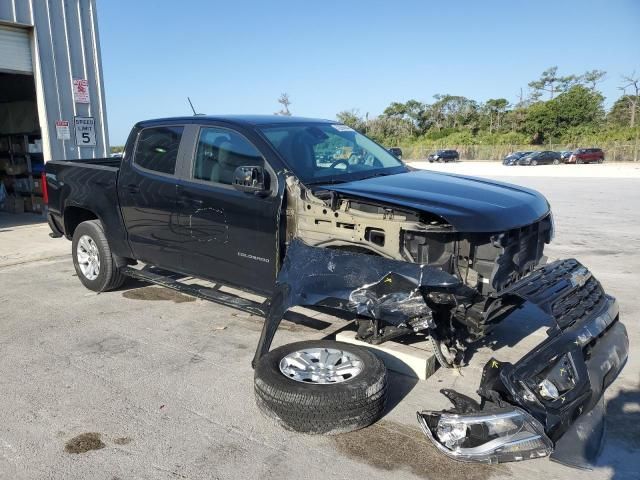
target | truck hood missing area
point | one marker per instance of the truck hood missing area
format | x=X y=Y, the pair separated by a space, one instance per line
x=468 y=204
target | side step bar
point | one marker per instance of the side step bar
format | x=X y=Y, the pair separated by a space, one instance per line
x=222 y=298
x=211 y=294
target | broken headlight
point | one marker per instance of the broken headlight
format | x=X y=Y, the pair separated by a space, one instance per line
x=558 y=379
x=504 y=435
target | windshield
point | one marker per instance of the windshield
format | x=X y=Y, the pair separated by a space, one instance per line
x=330 y=153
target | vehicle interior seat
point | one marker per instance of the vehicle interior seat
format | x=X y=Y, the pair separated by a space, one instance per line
x=228 y=160
x=207 y=156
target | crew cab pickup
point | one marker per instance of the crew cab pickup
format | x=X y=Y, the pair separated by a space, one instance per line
x=254 y=203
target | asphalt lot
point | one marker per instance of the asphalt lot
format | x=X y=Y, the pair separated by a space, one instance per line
x=166 y=379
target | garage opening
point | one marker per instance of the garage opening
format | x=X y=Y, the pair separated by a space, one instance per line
x=21 y=158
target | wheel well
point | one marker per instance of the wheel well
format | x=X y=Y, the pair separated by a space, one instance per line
x=74 y=216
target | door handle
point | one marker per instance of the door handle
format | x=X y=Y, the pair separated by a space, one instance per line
x=133 y=188
x=190 y=202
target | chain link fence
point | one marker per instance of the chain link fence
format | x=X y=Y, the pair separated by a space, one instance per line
x=614 y=152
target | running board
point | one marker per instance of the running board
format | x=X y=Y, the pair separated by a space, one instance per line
x=205 y=293
x=221 y=298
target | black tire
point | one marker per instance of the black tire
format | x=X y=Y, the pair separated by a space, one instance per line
x=556 y=162
x=328 y=409
x=109 y=276
x=534 y=163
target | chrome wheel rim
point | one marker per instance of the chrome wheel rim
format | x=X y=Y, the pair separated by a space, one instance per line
x=321 y=366
x=88 y=257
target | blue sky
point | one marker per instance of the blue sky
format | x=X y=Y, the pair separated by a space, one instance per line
x=332 y=55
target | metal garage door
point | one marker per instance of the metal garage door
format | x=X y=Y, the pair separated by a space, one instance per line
x=15 y=50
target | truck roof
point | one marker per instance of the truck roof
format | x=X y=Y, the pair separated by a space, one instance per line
x=235 y=119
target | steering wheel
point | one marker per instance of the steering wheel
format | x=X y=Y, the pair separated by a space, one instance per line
x=337 y=162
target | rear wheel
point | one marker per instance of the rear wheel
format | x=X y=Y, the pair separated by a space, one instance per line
x=321 y=387
x=534 y=163
x=92 y=258
x=556 y=162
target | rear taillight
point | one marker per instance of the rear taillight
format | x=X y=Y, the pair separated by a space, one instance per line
x=45 y=191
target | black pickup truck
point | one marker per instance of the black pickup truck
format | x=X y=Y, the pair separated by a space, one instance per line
x=253 y=202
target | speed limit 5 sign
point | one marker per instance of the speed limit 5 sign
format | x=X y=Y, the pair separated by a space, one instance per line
x=85 y=128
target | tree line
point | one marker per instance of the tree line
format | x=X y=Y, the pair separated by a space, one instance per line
x=560 y=109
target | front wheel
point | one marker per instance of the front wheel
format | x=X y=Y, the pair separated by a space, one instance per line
x=321 y=387
x=534 y=163
x=556 y=162
x=92 y=258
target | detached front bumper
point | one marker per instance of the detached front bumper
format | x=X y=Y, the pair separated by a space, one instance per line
x=550 y=401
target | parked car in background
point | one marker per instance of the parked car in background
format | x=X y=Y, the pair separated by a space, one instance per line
x=564 y=155
x=396 y=152
x=587 y=155
x=512 y=158
x=444 y=156
x=546 y=157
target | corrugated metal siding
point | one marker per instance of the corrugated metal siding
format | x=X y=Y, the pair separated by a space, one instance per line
x=65 y=47
x=15 y=50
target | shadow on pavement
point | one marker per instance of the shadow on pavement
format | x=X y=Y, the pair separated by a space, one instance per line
x=11 y=220
x=621 y=452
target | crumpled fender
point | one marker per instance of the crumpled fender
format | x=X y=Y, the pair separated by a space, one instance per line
x=366 y=285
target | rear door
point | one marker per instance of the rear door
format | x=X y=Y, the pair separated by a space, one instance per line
x=229 y=235
x=147 y=194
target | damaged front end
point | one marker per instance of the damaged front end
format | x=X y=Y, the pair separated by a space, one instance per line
x=551 y=400
x=368 y=286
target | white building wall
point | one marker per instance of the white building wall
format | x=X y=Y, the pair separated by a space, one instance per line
x=65 y=46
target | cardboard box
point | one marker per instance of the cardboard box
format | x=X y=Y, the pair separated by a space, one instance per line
x=38 y=205
x=17 y=169
x=14 y=205
x=37 y=185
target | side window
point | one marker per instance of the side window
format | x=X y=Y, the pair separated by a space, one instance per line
x=157 y=148
x=220 y=152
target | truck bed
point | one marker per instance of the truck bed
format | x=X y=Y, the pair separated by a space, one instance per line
x=76 y=187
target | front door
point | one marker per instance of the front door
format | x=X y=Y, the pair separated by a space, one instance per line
x=229 y=235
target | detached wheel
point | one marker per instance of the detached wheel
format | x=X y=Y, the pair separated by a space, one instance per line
x=321 y=387
x=92 y=258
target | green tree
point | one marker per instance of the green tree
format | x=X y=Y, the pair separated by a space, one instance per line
x=412 y=111
x=495 y=109
x=285 y=102
x=579 y=106
x=631 y=82
x=591 y=78
x=552 y=83
x=352 y=119
x=621 y=111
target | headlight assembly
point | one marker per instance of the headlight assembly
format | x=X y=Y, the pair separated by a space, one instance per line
x=503 y=435
x=558 y=379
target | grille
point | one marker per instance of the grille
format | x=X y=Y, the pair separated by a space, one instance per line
x=565 y=289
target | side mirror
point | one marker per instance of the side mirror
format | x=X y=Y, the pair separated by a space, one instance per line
x=250 y=180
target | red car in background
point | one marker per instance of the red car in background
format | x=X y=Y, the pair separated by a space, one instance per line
x=586 y=155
